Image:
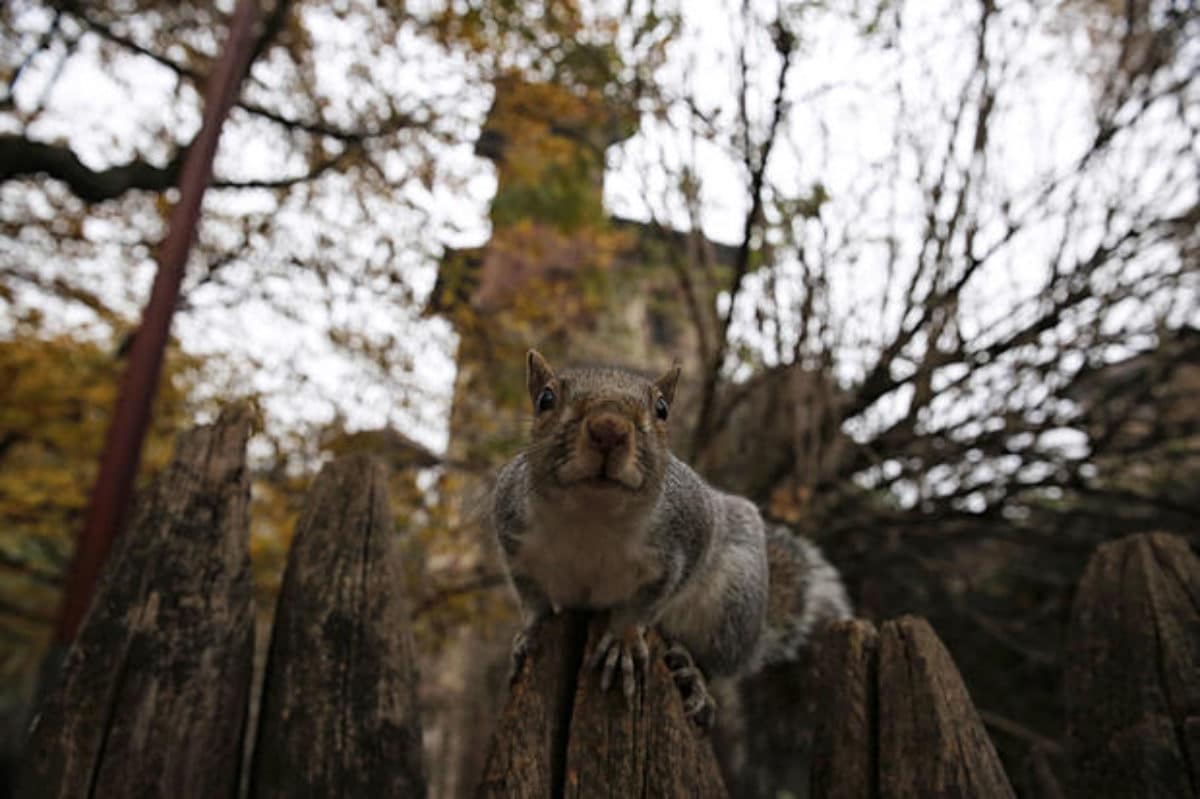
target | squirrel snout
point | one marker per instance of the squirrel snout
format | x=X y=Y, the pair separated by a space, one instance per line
x=608 y=432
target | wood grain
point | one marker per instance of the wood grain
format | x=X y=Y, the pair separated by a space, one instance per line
x=1133 y=671
x=152 y=697
x=339 y=715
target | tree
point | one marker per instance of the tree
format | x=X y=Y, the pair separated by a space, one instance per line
x=78 y=195
x=946 y=334
x=324 y=216
x=918 y=354
x=57 y=397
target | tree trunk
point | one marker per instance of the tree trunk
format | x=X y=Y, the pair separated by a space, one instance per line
x=560 y=735
x=339 y=714
x=895 y=719
x=1133 y=671
x=152 y=697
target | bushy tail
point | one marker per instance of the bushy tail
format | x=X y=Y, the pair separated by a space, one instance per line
x=806 y=591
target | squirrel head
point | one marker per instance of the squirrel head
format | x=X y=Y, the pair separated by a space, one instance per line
x=601 y=429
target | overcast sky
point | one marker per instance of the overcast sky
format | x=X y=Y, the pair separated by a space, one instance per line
x=848 y=96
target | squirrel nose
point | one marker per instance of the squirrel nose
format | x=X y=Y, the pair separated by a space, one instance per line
x=608 y=432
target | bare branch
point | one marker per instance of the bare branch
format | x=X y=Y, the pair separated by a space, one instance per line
x=785 y=45
x=43 y=42
x=22 y=157
x=286 y=183
x=316 y=128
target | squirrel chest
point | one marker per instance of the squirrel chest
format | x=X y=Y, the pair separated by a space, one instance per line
x=585 y=557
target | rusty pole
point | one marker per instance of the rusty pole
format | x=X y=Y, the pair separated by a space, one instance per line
x=131 y=413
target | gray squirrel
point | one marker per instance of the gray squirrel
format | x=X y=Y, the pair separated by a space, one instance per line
x=597 y=513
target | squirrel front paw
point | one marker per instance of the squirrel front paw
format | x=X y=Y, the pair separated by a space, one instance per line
x=698 y=703
x=626 y=649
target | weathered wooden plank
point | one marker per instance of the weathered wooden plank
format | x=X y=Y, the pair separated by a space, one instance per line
x=527 y=758
x=152 y=697
x=640 y=748
x=845 y=736
x=560 y=735
x=339 y=715
x=931 y=739
x=1133 y=671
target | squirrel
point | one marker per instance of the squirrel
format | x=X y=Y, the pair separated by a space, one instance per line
x=597 y=513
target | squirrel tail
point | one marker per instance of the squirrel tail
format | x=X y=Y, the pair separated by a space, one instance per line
x=806 y=591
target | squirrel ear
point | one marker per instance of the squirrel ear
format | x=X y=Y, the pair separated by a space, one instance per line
x=537 y=373
x=666 y=383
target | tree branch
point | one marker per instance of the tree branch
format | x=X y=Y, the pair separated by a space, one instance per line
x=22 y=157
x=43 y=42
x=288 y=182
x=785 y=45
x=271 y=28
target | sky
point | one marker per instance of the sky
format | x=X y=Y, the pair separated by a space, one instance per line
x=848 y=97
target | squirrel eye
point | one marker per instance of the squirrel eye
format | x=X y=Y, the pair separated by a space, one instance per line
x=660 y=408
x=545 y=400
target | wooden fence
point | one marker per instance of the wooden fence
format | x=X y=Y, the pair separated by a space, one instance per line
x=154 y=695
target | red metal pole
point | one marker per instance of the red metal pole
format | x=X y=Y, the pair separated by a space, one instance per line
x=131 y=414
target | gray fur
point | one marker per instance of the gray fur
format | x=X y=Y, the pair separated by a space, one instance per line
x=635 y=531
x=817 y=597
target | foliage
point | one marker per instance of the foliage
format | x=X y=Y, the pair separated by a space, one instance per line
x=960 y=228
x=954 y=231
x=58 y=392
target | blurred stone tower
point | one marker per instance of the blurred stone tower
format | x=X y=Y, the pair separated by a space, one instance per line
x=559 y=275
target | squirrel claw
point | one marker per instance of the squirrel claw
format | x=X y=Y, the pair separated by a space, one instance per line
x=698 y=703
x=627 y=651
x=520 y=649
x=701 y=709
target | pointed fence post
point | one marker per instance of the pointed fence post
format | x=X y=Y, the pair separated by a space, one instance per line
x=895 y=720
x=560 y=735
x=152 y=697
x=339 y=713
x=1133 y=671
